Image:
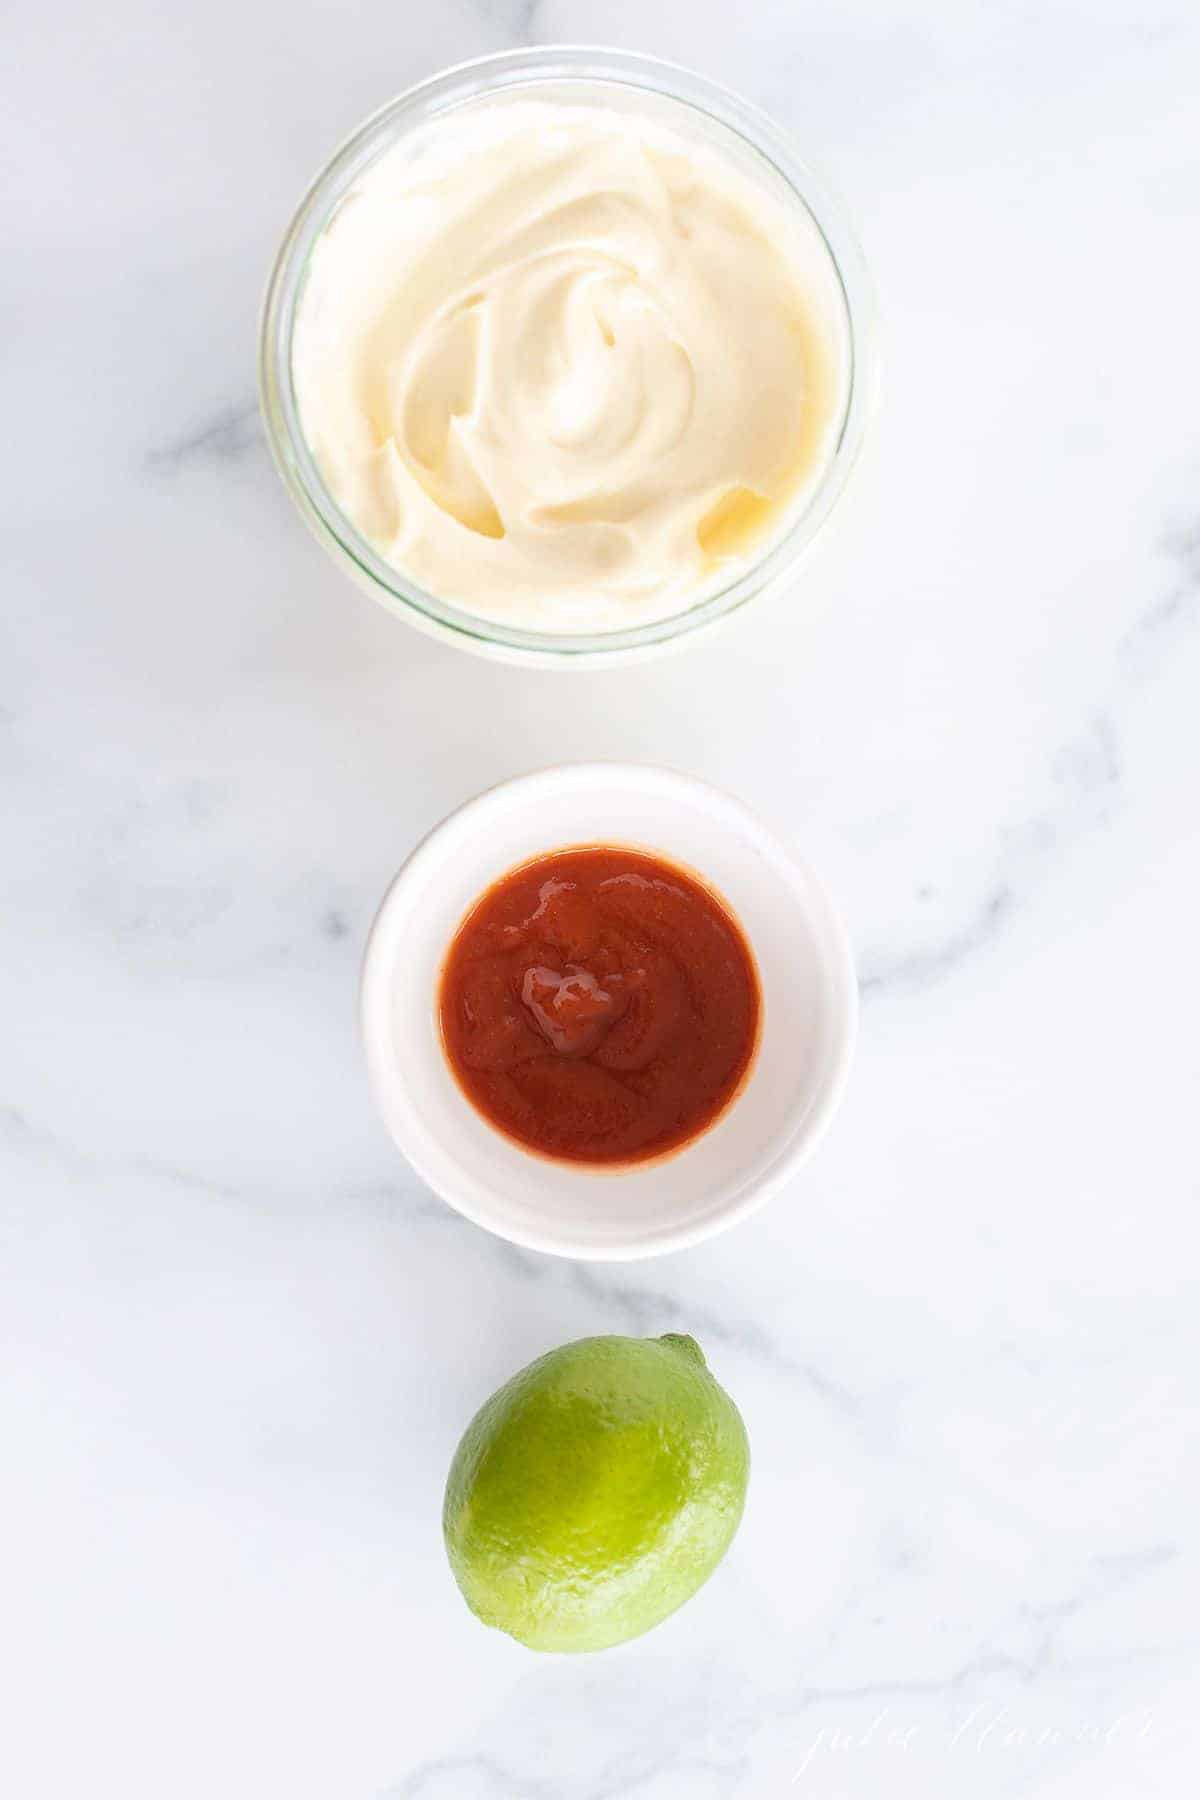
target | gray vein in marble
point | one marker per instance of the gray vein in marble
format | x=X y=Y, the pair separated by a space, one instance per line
x=1109 y=1574
x=226 y=437
x=622 y=1768
x=648 y=1310
x=518 y=21
x=1181 y=546
x=987 y=1666
x=1127 y=1565
x=22 y=1136
x=653 y=1308
x=334 y=925
x=920 y=968
x=976 y=1677
x=429 y=1781
x=1085 y=772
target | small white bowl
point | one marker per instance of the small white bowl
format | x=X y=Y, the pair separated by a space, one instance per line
x=809 y=1013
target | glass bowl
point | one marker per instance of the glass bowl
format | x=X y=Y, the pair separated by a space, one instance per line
x=613 y=78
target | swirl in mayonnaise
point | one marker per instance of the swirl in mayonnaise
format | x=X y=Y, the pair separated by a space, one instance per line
x=566 y=368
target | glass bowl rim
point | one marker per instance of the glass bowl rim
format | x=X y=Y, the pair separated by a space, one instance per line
x=442 y=93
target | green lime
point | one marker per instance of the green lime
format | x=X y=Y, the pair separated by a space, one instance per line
x=595 y=1492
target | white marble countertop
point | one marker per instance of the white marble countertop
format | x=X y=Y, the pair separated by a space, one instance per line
x=239 y=1340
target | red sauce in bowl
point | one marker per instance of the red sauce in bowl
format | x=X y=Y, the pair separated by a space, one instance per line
x=599 y=1005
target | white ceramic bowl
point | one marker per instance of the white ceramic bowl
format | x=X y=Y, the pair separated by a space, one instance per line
x=809 y=1012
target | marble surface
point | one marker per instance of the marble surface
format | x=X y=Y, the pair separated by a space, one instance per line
x=239 y=1340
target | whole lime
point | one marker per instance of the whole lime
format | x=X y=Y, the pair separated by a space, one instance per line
x=595 y=1492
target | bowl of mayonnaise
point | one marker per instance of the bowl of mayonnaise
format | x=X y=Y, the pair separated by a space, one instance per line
x=566 y=355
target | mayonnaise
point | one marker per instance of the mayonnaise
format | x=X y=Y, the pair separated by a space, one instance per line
x=567 y=368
